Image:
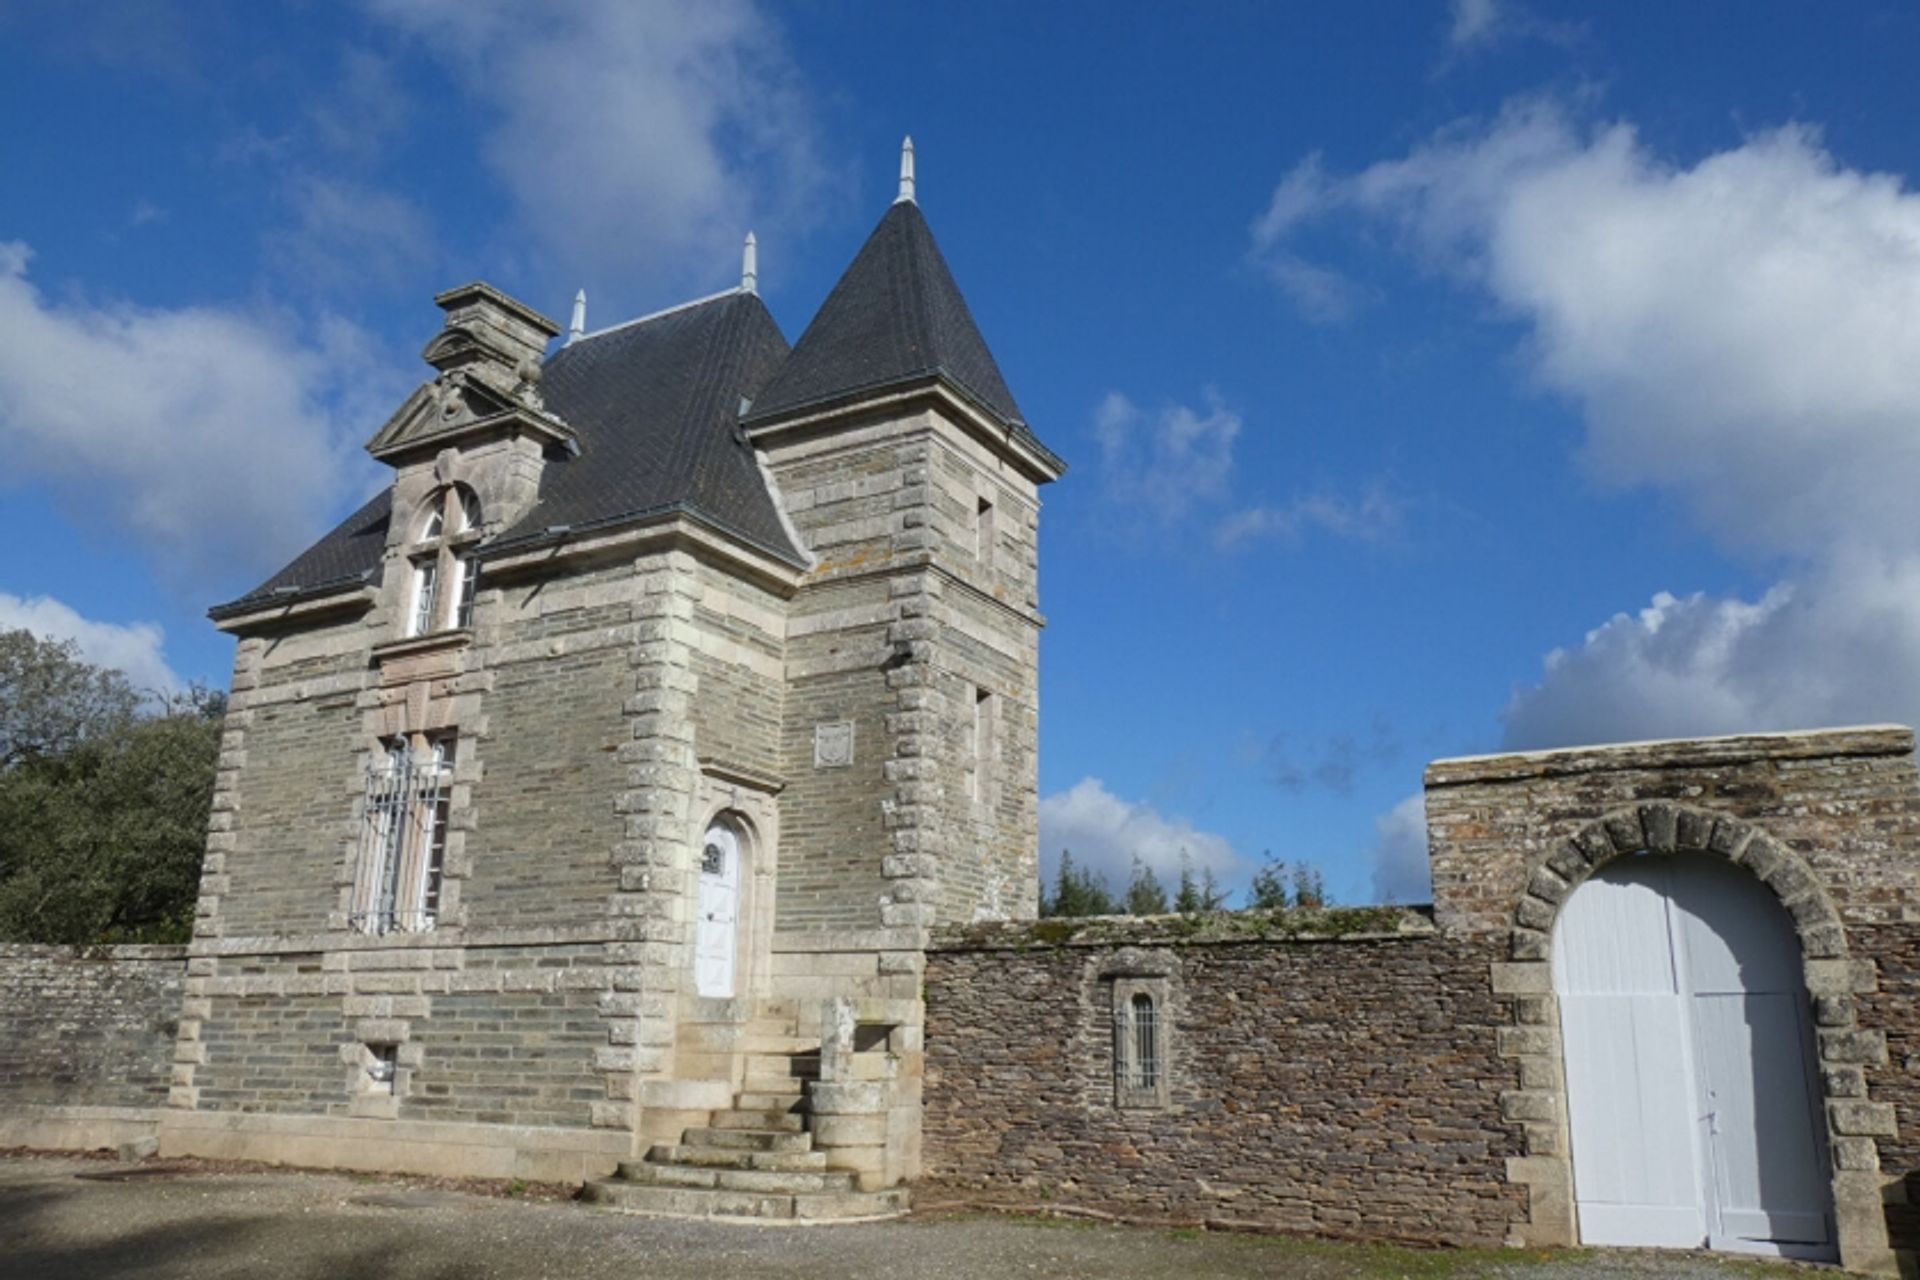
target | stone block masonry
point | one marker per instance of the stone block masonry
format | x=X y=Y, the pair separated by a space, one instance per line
x=1828 y=821
x=86 y=1042
x=1336 y=1076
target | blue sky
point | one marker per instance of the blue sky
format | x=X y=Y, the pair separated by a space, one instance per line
x=1436 y=378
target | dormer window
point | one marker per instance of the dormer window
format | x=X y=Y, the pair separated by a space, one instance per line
x=441 y=553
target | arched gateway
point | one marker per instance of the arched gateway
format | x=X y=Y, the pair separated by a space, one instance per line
x=1692 y=1098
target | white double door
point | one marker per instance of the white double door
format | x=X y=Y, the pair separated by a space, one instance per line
x=1689 y=1059
x=716 y=935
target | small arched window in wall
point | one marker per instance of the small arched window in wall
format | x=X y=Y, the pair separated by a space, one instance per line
x=1140 y=1043
x=442 y=553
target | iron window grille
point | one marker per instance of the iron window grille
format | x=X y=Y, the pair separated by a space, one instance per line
x=1146 y=1042
x=1140 y=1046
x=403 y=839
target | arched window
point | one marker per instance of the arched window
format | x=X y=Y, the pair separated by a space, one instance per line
x=442 y=553
x=1140 y=1057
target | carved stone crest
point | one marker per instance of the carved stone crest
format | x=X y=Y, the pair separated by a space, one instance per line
x=833 y=745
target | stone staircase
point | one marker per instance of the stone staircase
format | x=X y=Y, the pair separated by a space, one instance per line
x=754 y=1160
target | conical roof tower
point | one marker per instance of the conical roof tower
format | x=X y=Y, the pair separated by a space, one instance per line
x=895 y=320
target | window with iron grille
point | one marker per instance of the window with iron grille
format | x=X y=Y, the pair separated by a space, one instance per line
x=403 y=836
x=1140 y=1057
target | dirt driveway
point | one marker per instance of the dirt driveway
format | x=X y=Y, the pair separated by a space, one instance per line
x=89 y=1220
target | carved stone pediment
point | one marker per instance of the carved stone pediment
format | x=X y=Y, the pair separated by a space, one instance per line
x=458 y=406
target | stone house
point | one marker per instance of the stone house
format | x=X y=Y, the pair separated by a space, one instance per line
x=644 y=782
x=678 y=683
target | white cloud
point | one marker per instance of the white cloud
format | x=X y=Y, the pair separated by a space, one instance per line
x=1473 y=22
x=1740 y=334
x=1106 y=833
x=347 y=234
x=1838 y=646
x=1400 y=870
x=219 y=438
x=636 y=139
x=1373 y=516
x=135 y=648
x=1168 y=461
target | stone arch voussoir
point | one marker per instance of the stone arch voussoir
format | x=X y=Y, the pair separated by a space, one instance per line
x=1532 y=1033
x=1660 y=826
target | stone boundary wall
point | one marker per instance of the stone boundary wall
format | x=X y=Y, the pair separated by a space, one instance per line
x=1332 y=1073
x=86 y=1042
x=1828 y=820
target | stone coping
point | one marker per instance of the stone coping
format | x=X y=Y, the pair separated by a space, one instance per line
x=1677 y=753
x=66 y=951
x=1214 y=928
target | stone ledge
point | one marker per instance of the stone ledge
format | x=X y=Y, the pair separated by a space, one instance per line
x=76 y=1128
x=537 y=1153
x=57 y=951
x=1678 y=753
x=1217 y=928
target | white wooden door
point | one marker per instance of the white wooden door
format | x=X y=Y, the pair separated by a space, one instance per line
x=1689 y=1062
x=1756 y=1085
x=716 y=934
x=1636 y=1162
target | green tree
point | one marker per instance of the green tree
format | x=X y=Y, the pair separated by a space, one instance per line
x=1146 y=896
x=103 y=801
x=51 y=701
x=1269 y=888
x=1077 y=891
x=1308 y=889
x=1197 y=893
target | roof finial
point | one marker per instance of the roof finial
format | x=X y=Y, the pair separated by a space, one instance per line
x=579 y=325
x=750 y=266
x=906 y=173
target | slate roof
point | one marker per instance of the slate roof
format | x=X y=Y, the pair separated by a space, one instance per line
x=343 y=558
x=895 y=316
x=656 y=405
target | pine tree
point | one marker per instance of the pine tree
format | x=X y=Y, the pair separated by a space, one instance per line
x=1078 y=891
x=1212 y=896
x=1308 y=889
x=1188 y=899
x=1146 y=896
x=1268 y=889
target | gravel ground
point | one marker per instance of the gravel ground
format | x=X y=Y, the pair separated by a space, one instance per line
x=71 y=1219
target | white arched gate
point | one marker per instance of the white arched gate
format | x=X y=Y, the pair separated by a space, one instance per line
x=1691 y=1092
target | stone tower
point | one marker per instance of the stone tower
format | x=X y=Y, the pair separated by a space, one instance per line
x=911 y=478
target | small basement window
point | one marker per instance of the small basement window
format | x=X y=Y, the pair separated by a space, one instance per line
x=383 y=1063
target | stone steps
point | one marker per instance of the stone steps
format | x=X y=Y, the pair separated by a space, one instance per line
x=716 y=1202
x=749 y=1139
x=785 y=1121
x=728 y=1158
x=755 y=1159
x=802 y=1182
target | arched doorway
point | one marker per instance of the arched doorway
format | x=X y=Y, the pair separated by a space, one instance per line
x=1692 y=1102
x=716 y=942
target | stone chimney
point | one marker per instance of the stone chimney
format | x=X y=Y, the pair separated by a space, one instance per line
x=489 y=337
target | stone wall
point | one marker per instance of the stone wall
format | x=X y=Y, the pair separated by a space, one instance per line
x=1829 y=821
x=1334 y=1075
x=88 y=1027
x=86 y=1042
